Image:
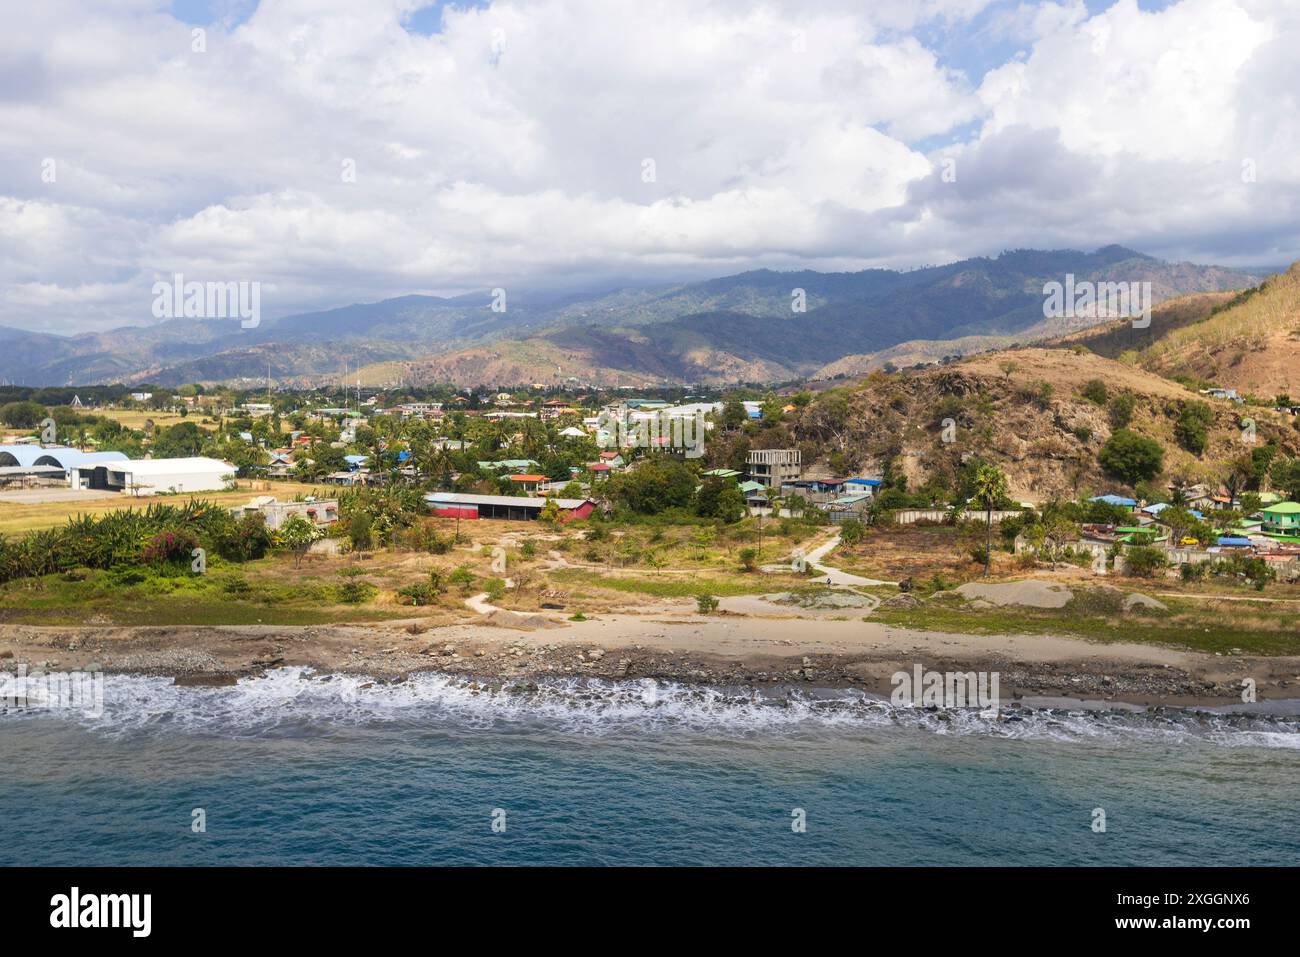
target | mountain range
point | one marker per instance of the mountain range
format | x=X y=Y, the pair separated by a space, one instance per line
x=740 y=328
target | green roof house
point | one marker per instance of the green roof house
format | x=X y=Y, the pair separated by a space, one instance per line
x=1282 y=519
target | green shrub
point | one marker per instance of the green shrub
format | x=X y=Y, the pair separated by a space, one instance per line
x=1144 y=561
x=360 y=531
x=1121 y=410
x=1131 y=457
x=354 y=591
x=463 y=577
x=707 y=604
x=1192 y=428
x=1094 y=390
x=423 y=537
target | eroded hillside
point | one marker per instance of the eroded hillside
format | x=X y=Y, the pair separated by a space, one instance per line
x=1024 y=410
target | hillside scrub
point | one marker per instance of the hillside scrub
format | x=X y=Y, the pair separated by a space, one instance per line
x=926 y=425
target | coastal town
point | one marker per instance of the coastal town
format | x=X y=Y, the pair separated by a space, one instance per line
x=540 y=514
x=624 y=435
x=586 y=440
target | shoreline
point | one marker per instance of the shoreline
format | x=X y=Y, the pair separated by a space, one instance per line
x=722 y=650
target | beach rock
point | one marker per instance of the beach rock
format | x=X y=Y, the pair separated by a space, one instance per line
x=205 y=681
x=824 y=599
x=1138 y=600
x=1030 y=593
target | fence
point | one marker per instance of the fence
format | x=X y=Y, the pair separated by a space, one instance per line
x=910 y=516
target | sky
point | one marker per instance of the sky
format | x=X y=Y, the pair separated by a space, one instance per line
x=336 y=151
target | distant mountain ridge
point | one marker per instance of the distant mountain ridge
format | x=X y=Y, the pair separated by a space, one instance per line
x=729 y=329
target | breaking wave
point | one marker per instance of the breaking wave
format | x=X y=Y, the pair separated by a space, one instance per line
x=298 y=701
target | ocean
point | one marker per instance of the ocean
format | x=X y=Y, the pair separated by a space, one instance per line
x=299 y=768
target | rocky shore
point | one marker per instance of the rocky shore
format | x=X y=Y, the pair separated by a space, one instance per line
x=769 y=656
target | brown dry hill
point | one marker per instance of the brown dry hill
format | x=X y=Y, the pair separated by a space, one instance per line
x=1022 y=410
x=1252 y=345
x=1109 y=339
x=1117 y=337
x=584 y=357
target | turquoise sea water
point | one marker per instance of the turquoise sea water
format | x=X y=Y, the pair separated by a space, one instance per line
x=295 y=769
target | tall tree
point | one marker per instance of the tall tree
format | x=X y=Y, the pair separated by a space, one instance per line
x=990 y=487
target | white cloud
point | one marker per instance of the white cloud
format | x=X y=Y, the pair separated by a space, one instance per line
x=509 y=147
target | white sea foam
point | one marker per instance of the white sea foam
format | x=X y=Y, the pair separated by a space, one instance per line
x=296 y=701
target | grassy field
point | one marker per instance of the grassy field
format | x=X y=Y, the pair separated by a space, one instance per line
x=18 y=518
x=669 y=585
x=135 y=418
x=224 y=597
x=1255 y=628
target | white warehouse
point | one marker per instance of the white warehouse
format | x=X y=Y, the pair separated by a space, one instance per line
x=154 y=476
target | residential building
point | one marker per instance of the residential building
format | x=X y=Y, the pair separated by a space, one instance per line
x=861 y=486
x=1282 y=519
x=774 y=467
x=526 y=482
x=319 y=511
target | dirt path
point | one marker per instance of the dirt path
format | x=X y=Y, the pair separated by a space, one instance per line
x=834 y=575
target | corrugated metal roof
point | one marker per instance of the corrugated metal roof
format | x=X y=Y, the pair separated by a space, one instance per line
x=194 y=464
x=75 y=458
x=529 y=501
x=24 y=454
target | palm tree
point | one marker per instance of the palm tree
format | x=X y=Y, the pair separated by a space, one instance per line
x=990 y=490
